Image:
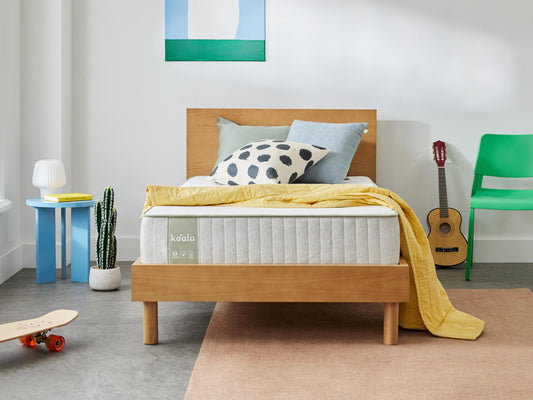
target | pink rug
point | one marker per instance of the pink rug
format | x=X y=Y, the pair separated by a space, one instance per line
x=334 y=351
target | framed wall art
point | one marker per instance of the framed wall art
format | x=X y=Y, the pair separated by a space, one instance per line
x=215 y=30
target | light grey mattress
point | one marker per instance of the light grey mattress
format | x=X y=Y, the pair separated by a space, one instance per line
x=235 y=235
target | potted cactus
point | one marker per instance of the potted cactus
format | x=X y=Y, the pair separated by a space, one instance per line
x=105 y=275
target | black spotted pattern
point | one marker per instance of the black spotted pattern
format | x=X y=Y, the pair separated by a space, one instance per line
x=285 y=160
x=272 y=173
x=232 y=170
x=267 y=161
x=253 y=171
x=305 y=154
x=293 y=177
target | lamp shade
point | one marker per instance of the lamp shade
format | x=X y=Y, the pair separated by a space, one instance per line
x=48 y=176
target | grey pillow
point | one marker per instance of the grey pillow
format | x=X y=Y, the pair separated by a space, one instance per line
x=341 y=139
x=232 y=136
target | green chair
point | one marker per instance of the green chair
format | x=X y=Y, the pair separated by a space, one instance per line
x=503 y=156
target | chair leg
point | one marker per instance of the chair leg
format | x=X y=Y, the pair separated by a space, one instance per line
x=470 y=250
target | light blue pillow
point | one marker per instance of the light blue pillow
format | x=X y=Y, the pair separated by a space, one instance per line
x=341 y=139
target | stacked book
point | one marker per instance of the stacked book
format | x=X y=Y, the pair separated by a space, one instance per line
x=68 y=197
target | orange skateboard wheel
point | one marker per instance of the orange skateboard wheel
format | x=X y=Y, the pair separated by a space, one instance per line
x=55 y=342
x=28 y=340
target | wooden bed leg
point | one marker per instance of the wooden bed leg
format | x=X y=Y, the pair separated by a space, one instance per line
x=390 y=323
x=150 y=322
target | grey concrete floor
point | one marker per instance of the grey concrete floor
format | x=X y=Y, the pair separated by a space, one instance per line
x=104 y=357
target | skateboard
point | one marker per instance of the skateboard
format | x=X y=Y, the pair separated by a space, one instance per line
x=31 y=332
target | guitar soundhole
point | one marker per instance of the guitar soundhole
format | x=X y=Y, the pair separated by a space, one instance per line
x=445 y=228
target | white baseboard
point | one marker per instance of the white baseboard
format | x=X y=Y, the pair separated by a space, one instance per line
x=128 y=250
x=506 y=251
x=485 y=250
x=29 y=255
x=11 y=263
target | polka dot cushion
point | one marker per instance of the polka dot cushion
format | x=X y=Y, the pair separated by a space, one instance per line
x=268 y=161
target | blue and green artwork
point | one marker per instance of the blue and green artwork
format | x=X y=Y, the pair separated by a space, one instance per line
x=215 y=30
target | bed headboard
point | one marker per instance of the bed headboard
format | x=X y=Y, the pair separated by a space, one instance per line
x=202 y=133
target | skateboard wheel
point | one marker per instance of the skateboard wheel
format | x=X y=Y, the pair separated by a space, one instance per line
x=28 y=340
x=55 y=343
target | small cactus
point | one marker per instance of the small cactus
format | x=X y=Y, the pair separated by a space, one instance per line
x=105 y=216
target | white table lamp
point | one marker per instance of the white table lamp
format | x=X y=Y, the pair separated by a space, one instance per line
x=49 y=176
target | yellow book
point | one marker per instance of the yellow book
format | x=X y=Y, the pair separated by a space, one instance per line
x=68 y=197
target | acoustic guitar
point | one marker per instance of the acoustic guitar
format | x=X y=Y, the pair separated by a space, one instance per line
x=448 y=245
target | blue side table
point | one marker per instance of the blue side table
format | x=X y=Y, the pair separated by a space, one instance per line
x=45 y=239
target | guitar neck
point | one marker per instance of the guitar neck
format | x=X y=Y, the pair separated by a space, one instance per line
x=443 y=197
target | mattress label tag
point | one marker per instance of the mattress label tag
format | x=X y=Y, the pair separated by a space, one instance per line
x=182 y=241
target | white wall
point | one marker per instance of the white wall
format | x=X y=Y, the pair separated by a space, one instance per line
x=10 y=220
x=434 y=70
x=45 y=53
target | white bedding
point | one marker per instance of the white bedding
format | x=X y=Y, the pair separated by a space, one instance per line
x=206 y=181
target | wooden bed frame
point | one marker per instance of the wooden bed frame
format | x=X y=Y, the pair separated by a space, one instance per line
x=389 y=284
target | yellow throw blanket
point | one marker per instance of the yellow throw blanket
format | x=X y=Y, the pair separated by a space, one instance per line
x=429 y=306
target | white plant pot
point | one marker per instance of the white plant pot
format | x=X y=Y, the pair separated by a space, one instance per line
x=104 y=279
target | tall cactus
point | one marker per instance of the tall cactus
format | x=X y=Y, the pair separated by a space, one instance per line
x=106 y=222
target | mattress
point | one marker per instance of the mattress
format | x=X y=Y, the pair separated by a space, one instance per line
x=246 y=235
